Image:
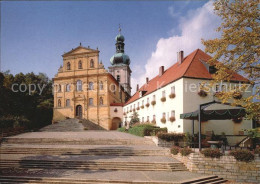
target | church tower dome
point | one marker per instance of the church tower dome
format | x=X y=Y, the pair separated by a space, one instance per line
x=120 y=62
x=120 y=57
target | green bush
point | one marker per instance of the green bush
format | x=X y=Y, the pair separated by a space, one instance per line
x=212 y=153
x=243 y=155
x=122 y=129
x=175 y=150
x=13 y=121
x=171 y=136
x=185 y=151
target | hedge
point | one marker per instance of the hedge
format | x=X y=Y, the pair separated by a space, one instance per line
x=171 y=136
x=243 y=155
x=212 y=153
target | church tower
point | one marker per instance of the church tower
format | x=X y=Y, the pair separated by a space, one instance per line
x=120 y=64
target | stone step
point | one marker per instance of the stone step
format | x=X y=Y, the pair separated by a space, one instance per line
x=81 y=141
x=31 y=180
x=66 y=151
x=90 y=165
x=209 y=180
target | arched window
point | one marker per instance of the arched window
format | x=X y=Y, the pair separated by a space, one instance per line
x=100 y=101
x=91 y=63
x=67 y=102
x=90 y=101
x=67 y=88
x=80 y=64
x=68 y=66
x=79 y=85
x=100 y=85
x=59 y=88
x=91 y=86
x=59 y=103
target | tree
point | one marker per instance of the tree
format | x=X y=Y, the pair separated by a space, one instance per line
x=238 y=50
x=134 y=118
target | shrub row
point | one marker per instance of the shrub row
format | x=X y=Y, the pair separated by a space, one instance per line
x=143 y=130
x=212 y=153
x=183 y=151
x=171 y=136
x=243 y=155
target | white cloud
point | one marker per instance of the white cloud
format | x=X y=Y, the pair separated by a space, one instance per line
x=197 y=24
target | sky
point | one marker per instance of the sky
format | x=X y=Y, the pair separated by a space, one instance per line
x=34 y=35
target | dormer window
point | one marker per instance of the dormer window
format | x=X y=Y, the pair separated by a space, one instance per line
x=68 y=66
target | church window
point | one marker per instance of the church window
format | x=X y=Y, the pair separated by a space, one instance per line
x=118 y=78
x=173 y=114
x=68 y=66
x=143 y=119
x=100 y=101
x=100 y=85
x=163 y=115
x=173 y=89
x=59 y=88
x=147 y=100
x=67 y=102
x=90 y=101
x=80 y=64
x=79 y=85
x=91 y=86
x=59 y=103
x=147 y=118
x=154 y=117
x=91 y=63
x=67 y=87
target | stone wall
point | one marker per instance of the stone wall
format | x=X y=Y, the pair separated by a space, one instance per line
x=226 y=167
x=160 y=142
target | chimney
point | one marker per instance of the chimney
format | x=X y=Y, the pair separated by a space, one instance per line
x=147 y=80
x=161 y=70
x=137 y=87
x=180 y=57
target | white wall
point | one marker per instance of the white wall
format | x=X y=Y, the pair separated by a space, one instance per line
x=186 y=100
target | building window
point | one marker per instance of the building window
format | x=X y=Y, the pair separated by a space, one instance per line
x=163 y=93
x=134 y=106
x=138 y=104
x=59 y=88
x=163 y=115
x=147 y=118
x=80 y=64
x=154 y=117
x=118 y=78
x=173 y=90
x=100 y=85
x=147 y=100
x=68 y=66
x=91 y=63
x=130 y=107
x=143 y=103
x=168 y=116
x=91 y=101
x=67 y=88
x=143 y=119
x=91 y=86
x=217 y=88
x=59 y=103
x=67 y=103
x=154 y=98
x=100 y=101
x=172 y=113
x=79 y=85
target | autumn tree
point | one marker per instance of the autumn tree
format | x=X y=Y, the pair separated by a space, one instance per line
x=237 y=49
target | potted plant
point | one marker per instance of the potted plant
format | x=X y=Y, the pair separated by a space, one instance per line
x=163 y=120
x=147 y=105
x=138 y=108
x=172 y=95
x=202 y=93
x=163 y=99
x=153 y=102
x=142 y=106
x=172 y=119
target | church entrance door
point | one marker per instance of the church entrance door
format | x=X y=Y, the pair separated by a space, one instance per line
x=79 y=111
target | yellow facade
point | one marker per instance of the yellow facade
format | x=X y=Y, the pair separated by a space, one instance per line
x=85 y=89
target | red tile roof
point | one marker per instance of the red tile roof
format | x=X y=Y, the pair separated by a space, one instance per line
x=190 y=67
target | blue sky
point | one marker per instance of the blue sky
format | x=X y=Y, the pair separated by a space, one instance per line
x=34 y=35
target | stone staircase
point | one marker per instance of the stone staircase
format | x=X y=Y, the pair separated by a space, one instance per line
x=90 y=157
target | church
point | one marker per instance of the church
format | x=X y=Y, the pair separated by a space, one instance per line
x=84 y=89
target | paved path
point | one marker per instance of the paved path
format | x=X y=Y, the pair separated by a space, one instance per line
x=64 y=142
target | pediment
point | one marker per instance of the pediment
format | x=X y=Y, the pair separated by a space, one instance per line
x=80 y=50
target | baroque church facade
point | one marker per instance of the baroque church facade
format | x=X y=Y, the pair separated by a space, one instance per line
x=84 y=89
